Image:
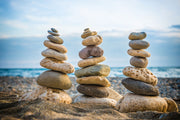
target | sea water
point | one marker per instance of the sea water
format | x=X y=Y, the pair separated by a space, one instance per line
x=166 y=72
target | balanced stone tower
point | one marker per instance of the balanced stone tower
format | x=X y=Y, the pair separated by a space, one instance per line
x=53 y=82
x=92 y=76
x=141 y=81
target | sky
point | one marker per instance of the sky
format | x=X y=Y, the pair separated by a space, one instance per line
x=24 y=25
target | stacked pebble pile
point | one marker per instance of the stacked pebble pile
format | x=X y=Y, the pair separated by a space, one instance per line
x=53 y=82
x=92 y=76
x=141 y=81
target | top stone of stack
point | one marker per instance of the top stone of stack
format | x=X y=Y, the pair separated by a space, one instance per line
x=137 y=36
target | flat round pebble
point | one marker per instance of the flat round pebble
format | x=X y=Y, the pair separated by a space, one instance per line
x=138 y=44
x=140 y=62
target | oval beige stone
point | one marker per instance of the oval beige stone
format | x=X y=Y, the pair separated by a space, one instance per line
x=87 y=33
x=55 y=39
x=54 y=54
x=133 y=103
x=92 y=40
x=55 y=46
x=172 y=106
x=95 y=80
x=141 y=74
x=93 y=100
x=137 y=35
x=91 y=61
x=57 y=65
x=139 y=53
x=113 y=94
x=54 y=79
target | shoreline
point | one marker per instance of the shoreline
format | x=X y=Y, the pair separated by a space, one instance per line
x=11 y=89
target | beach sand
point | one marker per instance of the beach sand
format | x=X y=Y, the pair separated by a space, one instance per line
x=11 y=89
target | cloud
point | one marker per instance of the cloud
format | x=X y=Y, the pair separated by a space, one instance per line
x=175 y=26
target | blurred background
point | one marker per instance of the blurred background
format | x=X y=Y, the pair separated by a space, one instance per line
x=24 y=25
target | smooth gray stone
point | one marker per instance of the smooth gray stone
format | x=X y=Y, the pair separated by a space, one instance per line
x=139 y=87
x=93 y=90
x=138 y=44
x=55 y=39
x=140 y=62
x=96 y=70
x=53 y=33
x=54 y=30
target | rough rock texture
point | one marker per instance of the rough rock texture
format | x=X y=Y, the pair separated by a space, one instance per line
x=55 y=39
x=133 y=103
x=138 y=44
x=113 y=94
x=94 y=80
x=57 y=47
x=139 y=87
x=172 y=106
x=54 y=79
x=93 y=90
x=92 y=50
x=56 y=65
x=96 y=70
x=44 y=93
x=91 y=61
x=87 y=33
x=92 y=100
x=54 y=54
x=140 y=62
x=137 y=35
x=92 y=40
x=139 y=53
x=141 y=74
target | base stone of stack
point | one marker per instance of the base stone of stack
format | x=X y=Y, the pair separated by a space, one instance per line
x=93 y=100
x=44 y=93
x=96 y=70
x=139 y=87
x=93 y=91
x=113 y=94
x=141 y=74
x=133 y=103
x=54 y=79
x=94 y=80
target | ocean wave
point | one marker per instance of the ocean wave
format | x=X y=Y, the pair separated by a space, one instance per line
x=164 y=72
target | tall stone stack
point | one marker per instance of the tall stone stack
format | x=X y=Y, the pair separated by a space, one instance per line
x=141 y=81
x=53 y=82
x=92 y=76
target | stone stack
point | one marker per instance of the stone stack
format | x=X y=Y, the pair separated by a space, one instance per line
x=92 y=76
x=53 y=82
x=141 y=81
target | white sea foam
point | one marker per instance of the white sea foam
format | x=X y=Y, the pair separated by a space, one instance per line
x=167 y=72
